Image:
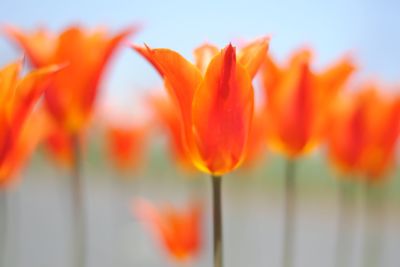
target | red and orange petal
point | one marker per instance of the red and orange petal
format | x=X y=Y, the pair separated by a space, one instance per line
x=222 y=113
x=177 y=231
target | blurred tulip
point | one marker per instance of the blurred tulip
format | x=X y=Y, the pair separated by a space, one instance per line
x=58 y=144
x=299 y=99
x=20 y=128
x=86 y=53
x=71 y=96
x=215 y=107
x=179 y=232
x=298 y=102
x=125 y=145
x=20 y=133
x=364 y=132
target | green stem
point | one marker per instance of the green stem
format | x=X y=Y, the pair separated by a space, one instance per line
x=3 y=227
x=345 y=224
x=78 y=205
x=373 y=219
x=289 y=223
x=217 y=220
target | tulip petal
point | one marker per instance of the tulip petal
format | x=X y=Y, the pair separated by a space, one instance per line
x=222 y=112
x=39 y=46
x=253 y=55
x=28 y=91
x=203 y=56
x=181 y=78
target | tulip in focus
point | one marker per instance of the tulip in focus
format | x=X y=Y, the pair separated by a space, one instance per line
x=215 y=103
x=178 y=231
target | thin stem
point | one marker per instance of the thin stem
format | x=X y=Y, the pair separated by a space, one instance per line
x=289 y=223
x=217 y=220
x=78 y=205
x=373 y=219
x=345 y=224
x=3 y=227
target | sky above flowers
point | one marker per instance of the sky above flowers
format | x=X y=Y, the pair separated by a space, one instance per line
x=368 y=29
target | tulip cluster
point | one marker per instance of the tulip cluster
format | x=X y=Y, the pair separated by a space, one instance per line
x=215 y=115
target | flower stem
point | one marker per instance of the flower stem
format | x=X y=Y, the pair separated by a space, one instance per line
x=217 y=220
x=78 y=207
x=3 y=227
x=344 y=233
x=373 y=219
x=289 y=223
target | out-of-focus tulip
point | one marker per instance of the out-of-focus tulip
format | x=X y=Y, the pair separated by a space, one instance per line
x=179 y=232
x=58 y=144
x=299 y=99
x=125 y=145
x=215 y=103
x=20 y=131
x=71 y=96
x=364 y=133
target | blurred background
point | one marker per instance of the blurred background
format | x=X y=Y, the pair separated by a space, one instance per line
x=39 y=209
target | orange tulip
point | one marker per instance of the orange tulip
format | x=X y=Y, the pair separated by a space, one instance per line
x=125 y=145
x=19 y=131
x=364 y=133
x=58 y=144
x=177 y=231
x=71 y=97
x=298 y=101
x=215 y=105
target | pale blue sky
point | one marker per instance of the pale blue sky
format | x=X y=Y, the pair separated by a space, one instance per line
x=368 y=28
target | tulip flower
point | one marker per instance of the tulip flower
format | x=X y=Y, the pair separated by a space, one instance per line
x=363 y=139
x=18 y=97
x=298 y=103
x=362 y=142
x=178 y=231
x=86 y=53
x=72 y=94
x=125 y=145
x=215 y=105
x=20 y=127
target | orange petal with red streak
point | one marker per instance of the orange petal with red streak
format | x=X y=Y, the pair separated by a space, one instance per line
x=222 y=113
